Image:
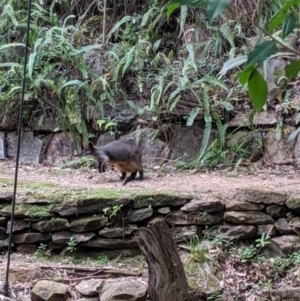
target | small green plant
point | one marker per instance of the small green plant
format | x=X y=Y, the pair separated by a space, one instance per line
x=295 y=257
x=106 y=124
x=42 y=250
x=57 y=278
x=83 y=162
x=198 y=251
x=101 y=260
x=267 y=285
x=72 y=243
x=279 y=265
x=263 y=241
x=112 y=211
x=248 y=253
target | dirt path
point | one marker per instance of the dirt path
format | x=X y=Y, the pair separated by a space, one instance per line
x=166 y=179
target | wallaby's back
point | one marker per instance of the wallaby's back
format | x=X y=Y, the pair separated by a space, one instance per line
x=124 y=154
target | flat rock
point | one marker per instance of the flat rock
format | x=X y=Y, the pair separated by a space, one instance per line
x=43 y=123
x=262 y=118
x=237 y=232
x=45 y=290
x=118 y=231
x=187 y=141
x=60 y=149
x=260 y=195
x=203 y=205
x=86 y=224
x=243 y=206
x=30 y=238
x=285 y=244
x=55 y=246
x=52 y=225
x=249 y=217
x=12 y=140
x=36 y=201
x=283 y=227
x=185 y=233
x=295 y=224
x=164 y=210
x=89 y=287
x=159 y=200
x=31 y=150
x=266 y=229
x=112 y=244
x=27 y=249
x=3 y=221
x=4 y=198
x=293 y=203
x=155 y=219
x=139 y=215
x=63 y=237
x=18 y=225
x=124 y=290
x=89 y=206
x=278 y=151
x=276 y=211
x=180 y=218
x=287 y=292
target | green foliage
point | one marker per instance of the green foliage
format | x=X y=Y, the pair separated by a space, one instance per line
x=42 y=250
x=71 y=245
x=101 y=260
x=57 y=71
x=106 y=124
x=198 y=252
x=261 y=52
x=113 y=211
x=216 y=7
x=83 y=162
x=258 y=90
x=248 y=253
x=263 y=241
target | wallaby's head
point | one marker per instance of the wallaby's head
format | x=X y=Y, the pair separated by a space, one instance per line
x=88 y=150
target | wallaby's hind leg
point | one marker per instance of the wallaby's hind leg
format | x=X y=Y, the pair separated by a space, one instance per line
x=123 y=176
x=130 y=178
x=141 y=177
x=100 y=167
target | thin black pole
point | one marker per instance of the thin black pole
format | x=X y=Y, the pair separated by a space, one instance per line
x=6 y=284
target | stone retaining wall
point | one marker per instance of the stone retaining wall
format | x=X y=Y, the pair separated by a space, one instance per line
x=250 y=213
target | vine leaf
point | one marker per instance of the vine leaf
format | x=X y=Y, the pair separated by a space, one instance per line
x=292 y=69
x=258 y=90
x=261 y=52
x=216 y=7
x=289 y=25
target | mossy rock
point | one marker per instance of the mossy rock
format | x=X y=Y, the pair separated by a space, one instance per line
x=293 y=203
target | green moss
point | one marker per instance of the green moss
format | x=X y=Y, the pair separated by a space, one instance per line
x=39 y=185
x=293 y=202
x=30 y=210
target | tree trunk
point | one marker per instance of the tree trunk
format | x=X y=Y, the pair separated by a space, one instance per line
x=167 y=280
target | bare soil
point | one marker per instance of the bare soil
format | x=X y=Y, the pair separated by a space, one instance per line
x=166 y=178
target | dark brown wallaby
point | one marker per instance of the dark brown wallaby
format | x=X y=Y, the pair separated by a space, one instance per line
x=125 y=155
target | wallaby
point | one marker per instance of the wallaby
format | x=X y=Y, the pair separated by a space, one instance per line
x=125 y=155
